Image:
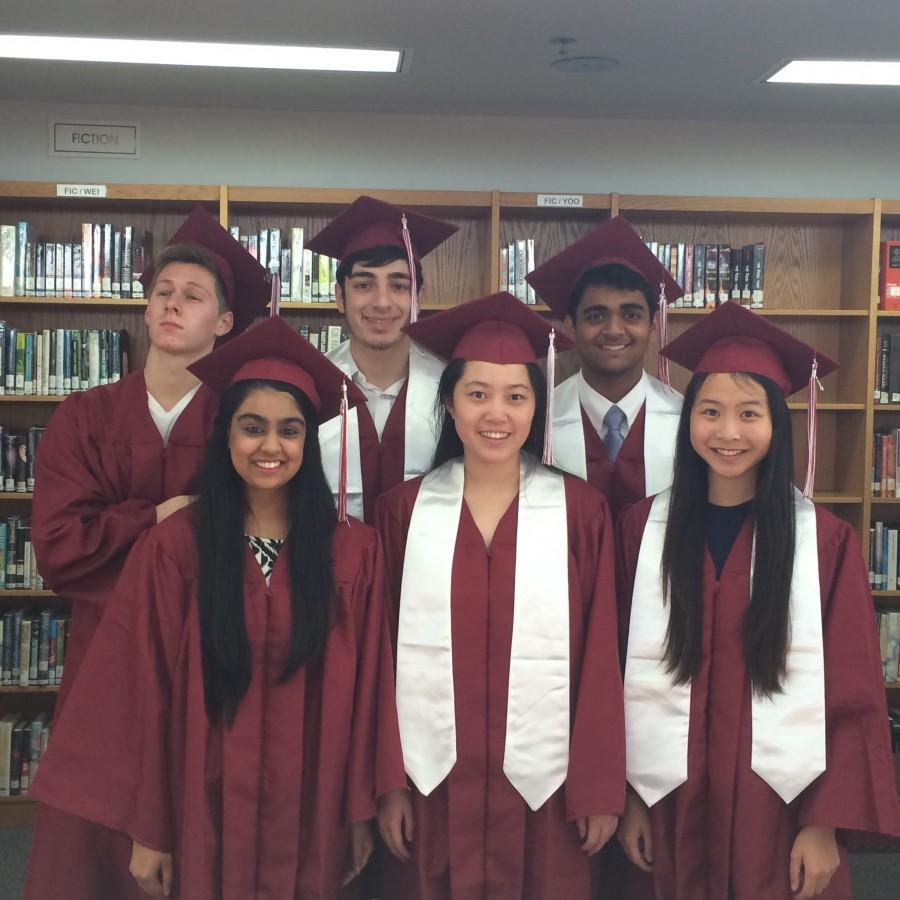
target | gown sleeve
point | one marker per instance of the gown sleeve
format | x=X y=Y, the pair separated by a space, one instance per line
x=77 y=532
x=596 y=779
x=858 y=789
x=376 y=760
x=107 y=760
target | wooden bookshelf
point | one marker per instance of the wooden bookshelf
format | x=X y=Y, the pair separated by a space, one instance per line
x=821 y=285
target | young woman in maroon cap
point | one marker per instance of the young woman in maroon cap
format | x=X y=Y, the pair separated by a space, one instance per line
x=113 y=462
x=754 y=704
x=508 y=686
x=250 y=725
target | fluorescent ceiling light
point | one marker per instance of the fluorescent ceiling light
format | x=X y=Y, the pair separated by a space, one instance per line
x=195 y=53
x=838 y=71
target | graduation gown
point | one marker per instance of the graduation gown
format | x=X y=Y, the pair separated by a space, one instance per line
x=725 y=828
x=475 y=837
x=101 y=471
x=408 y=439
x=258 y=809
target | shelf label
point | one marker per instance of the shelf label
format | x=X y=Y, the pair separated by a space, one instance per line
x=569 y=201
x=104 y=139
x=81 y=190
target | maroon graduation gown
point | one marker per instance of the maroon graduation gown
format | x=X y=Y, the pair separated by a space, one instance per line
x=259 y=809
x=382 y=462
x=623 y=480
x=101 y=471
x=725 y=826
x=475 y=838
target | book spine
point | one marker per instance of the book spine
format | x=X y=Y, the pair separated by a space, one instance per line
x=106 y=261
x=885 y=368
x=87 y=259
x=757 y=295
x=521 y=266
x=24 y=234
x=296 y=286
x=97 y=272
x=724 y=273
x=60 y=290
x=7 y=260
x=67 y=271
x=29 y=269
x=307 y=276
x=530 y=298
x=116 y=287
x=126 y=274
x=40 y=283
x=77 y=270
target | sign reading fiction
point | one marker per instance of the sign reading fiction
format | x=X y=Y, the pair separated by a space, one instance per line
x=561 y=201
x=104 y=139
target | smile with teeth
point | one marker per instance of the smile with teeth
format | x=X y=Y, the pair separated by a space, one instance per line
x=613 y=346
x=723 y=452
x=494 y=435
x=267 y=463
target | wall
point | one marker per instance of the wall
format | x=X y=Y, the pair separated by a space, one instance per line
x=253 y=147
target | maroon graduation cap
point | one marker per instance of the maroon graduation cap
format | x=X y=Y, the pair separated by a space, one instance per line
x=246 y=283
x=613 y=242
x=733 y=339
x=496 y=329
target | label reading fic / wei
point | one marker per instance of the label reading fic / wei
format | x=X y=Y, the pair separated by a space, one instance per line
x=81 y=190
x=561 y=201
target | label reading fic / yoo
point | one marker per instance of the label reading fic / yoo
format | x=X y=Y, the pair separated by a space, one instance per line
x=81 y=190
x=561 y=201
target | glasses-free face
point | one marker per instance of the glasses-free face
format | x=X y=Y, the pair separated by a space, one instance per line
x=731 y=431
x=183 y=314
x=266 y=439
x=611 y=330
x=376 y=302
x=492 y=408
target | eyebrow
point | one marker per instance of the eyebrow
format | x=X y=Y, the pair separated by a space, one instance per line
x=191 y=283
x=740 y=403
x=627 y=307
x=264 y=420
x=509 y=387
x=366 y=274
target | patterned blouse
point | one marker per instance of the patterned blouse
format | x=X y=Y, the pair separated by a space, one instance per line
x=266 y=552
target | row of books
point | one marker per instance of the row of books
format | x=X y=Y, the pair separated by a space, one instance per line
x=712 y=274
x=34 y=647
x=306 y=277
x=516 y=261
x=885 y=476
x=23 y=741
x=58 y=361
x=325 y=338
x=883 y=572
x=887 y=368
x=889 y=637
x=889 y=275
x=17 y=459
x=107 y=262
x=18 y=564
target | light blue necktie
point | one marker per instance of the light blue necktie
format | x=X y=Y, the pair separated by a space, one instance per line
x=614 y=421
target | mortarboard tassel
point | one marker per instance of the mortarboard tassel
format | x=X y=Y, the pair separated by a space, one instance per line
x=342 y=471
x=663 y=313
x=413 y=287
x=547 y=458
x=814 y=387
x=275 y=280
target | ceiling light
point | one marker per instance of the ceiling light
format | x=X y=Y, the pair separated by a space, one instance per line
x=581 y=64
x=838 y=71
x=196 y=53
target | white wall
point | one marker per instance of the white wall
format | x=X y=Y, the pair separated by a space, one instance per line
x=251 y=147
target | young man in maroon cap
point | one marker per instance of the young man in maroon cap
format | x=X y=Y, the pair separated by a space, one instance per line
x=614 y=424
x=392 y=437
x=114 y=462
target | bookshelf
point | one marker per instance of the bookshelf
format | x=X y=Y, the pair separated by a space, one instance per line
x=821 y=284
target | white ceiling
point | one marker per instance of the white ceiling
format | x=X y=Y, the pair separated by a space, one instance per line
x=680 y=59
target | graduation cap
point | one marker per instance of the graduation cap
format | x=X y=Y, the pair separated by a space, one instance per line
x=246 y=283
x=273 y=351
x=614 y=242
x=369 y=223
x=497 y=329
x=733 y=339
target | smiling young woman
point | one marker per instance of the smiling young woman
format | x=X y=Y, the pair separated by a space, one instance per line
x=251 y=724
x=508 y=688
x=753 y=698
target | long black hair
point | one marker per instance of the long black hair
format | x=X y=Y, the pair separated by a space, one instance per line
x=766 y=623
x=449 y=446
x=219 y=533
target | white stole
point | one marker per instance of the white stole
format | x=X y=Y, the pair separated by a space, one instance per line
x=788 y=742
x=662 y=410
x=536 y=752
x=420 y=426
